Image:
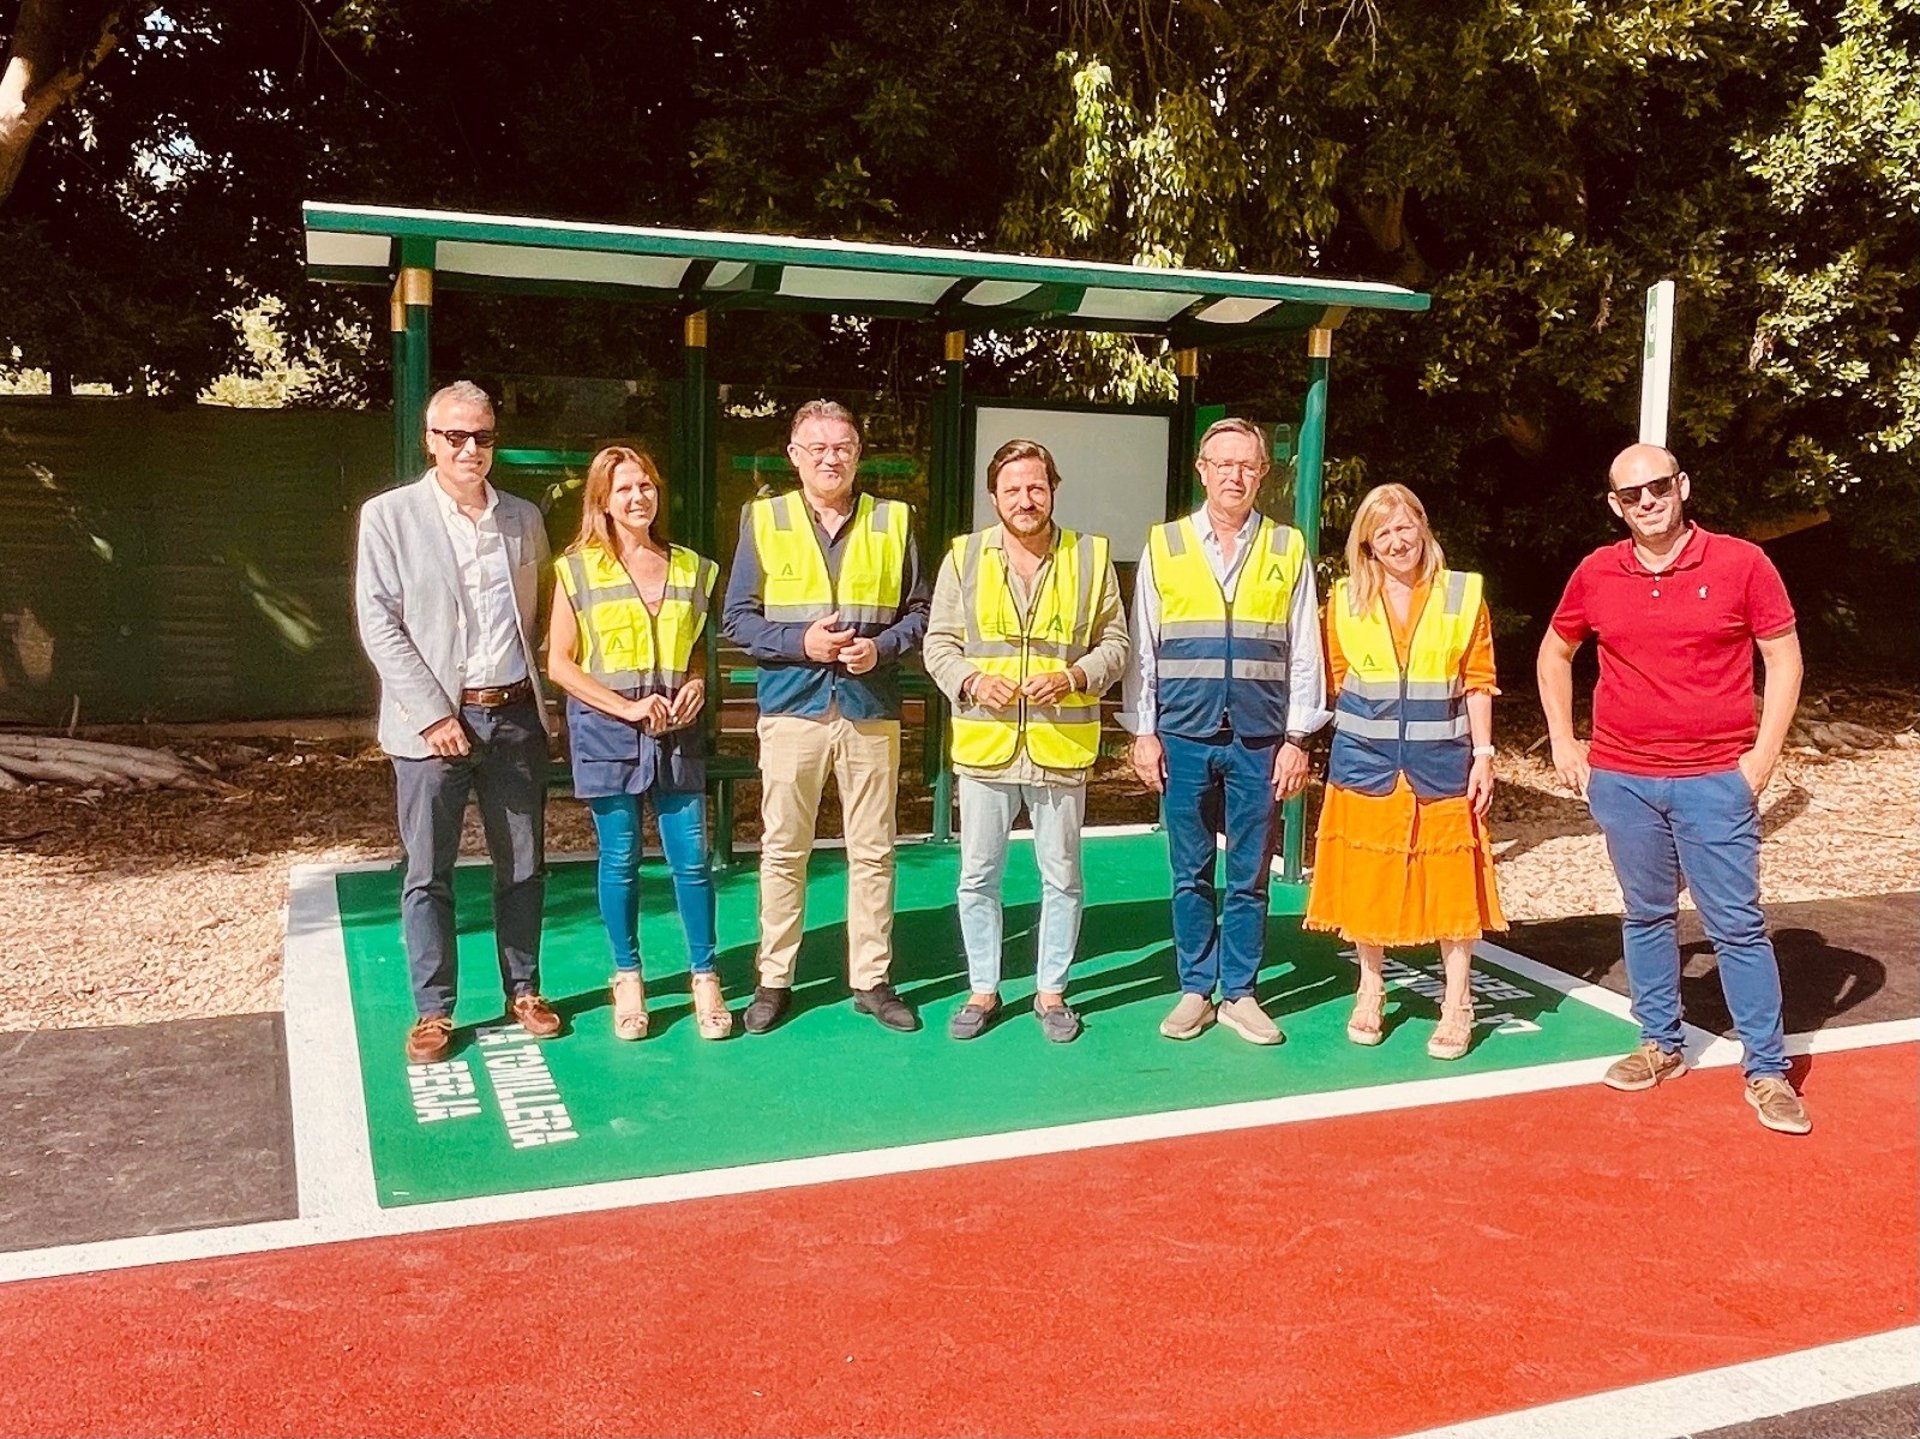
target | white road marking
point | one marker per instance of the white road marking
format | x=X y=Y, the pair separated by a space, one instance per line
x=1714 y=1398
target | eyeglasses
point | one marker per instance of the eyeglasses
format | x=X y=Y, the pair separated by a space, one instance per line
x=845 y=449
x=1629 y=495
x=458 y=438
x=1248 y=468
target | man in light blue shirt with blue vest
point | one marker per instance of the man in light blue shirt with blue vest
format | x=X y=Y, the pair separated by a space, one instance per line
x=1225 y=687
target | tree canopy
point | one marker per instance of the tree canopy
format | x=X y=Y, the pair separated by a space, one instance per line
x=1534 y=165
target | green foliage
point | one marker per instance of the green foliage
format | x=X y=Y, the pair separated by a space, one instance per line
x=1535 y=164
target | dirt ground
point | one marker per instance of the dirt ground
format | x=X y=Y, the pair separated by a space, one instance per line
x=124 y=907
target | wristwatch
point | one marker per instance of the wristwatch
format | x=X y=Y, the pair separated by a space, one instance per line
x=1483 y=751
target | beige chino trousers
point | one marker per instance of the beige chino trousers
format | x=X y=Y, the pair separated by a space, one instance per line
x=796 y=754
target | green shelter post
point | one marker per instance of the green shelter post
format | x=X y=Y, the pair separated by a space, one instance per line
x=947 y=503
x=1183 y=488
x=412 y=319
x=1306 y=519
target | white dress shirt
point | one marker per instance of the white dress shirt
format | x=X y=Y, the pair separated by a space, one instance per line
x=490 y=625
x=1306 y=667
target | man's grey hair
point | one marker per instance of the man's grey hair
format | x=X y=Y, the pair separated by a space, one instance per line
x=1234 y=425
x=465 y=391
x=821 y=410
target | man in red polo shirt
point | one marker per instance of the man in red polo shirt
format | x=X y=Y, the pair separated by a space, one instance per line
x=1675 y=770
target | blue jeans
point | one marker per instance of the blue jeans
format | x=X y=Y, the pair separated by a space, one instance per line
x=987 y=812
x=683 y=835
x=1704 y=832
x=1221 y=784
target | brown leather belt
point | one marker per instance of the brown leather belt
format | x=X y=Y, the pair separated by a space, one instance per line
x=498 y=695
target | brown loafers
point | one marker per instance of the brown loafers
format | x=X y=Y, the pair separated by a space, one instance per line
x=533 y=1014
x=430 y=1039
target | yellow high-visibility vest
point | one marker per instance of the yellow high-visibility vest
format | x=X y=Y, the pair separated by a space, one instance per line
x=618 y=641
x=795 y=586
x=1388 y=721
x=1057 y=632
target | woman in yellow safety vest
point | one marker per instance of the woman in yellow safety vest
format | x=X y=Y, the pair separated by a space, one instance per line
x=629 y=610
x=1403 y=855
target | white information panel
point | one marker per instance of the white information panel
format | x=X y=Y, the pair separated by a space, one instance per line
x=1113 y=468
x=1656 y=364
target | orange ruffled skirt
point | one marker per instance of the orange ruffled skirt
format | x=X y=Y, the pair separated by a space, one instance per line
x=1395 y=869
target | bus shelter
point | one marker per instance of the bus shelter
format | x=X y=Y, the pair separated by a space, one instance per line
x=698 y=276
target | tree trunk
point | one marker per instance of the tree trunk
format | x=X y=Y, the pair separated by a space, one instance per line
x=37 y=80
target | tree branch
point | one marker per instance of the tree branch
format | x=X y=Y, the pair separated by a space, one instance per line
x=38 y=79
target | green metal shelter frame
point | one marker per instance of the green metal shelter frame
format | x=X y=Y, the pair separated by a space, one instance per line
x=701 y=274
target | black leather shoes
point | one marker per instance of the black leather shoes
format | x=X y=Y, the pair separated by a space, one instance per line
x=887 y=1007
x=769 y=1007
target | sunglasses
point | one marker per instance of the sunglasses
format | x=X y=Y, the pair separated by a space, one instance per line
x=1629 y=495
x=458 y=438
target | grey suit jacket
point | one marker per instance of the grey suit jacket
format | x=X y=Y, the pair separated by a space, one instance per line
x=406 y=594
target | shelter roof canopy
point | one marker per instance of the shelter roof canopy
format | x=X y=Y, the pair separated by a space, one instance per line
x=710 y=269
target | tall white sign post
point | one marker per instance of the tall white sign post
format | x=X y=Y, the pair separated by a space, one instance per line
x=1656 y=364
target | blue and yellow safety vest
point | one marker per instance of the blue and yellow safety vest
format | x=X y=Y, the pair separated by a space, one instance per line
x=1223 y=658
x=1389 y=720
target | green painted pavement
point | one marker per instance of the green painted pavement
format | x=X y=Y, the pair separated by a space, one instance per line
x=830 y=1080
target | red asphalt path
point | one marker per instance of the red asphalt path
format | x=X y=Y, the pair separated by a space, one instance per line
x=1373 y=1274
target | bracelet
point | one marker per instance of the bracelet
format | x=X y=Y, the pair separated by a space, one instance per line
x=1483 y=751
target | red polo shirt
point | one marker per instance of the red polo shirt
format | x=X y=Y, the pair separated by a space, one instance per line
x=1676 y=651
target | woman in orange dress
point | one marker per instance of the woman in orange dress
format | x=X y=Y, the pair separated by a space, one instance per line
x=1403 y=856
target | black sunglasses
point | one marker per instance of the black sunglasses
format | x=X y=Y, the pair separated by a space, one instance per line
x=458 y=438
x=1629 y=495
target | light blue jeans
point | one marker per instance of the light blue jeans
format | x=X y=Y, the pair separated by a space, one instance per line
x=1702 y=831
x=987 y=812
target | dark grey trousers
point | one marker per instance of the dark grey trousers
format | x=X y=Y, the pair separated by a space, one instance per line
x=507 y=772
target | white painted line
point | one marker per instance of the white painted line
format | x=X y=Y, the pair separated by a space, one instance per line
x=1705 y=1050
x=332 y=1159
x=1714 y=1398
x=1855 y=1036
x=789 y=1173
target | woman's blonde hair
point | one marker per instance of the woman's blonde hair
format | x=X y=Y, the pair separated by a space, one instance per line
x=594 y=526
x=1366 y=576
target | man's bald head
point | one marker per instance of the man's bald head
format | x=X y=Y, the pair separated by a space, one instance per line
x=1642 y=462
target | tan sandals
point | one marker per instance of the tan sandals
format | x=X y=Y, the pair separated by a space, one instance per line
x=630 y=1019
x=1453 y=1036
x=1368 y=1025
x=629 y=1006
x=710 y=1007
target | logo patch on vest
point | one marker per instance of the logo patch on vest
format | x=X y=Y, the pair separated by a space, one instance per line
x=786 y=572
x=1273 y=570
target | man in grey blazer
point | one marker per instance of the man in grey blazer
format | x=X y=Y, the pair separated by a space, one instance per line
x=447 y=590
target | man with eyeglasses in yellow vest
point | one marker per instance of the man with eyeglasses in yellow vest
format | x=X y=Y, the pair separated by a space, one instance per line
x=1223 y=692
x=827 y=597
x=1027 y=633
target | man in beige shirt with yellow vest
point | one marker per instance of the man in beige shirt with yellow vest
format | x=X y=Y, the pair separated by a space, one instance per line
x=1027 y=632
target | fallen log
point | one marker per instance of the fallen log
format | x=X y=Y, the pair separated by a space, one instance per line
x=62 y=771
x=162 y=767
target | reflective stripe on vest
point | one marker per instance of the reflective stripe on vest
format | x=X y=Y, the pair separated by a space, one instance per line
x=618 y=641
x=795 y=585
x=1224 y=656
x=1058 y=632
x=1388 y=721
